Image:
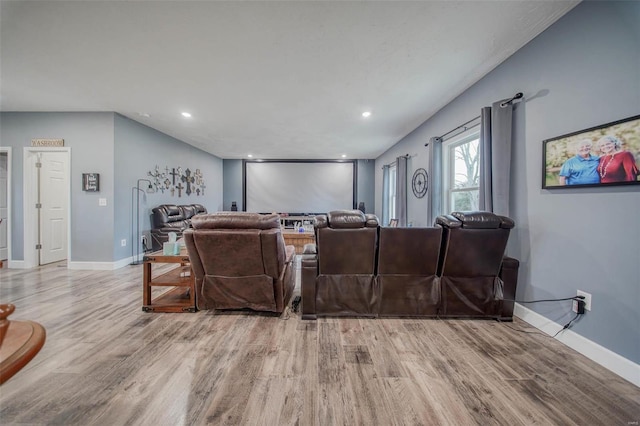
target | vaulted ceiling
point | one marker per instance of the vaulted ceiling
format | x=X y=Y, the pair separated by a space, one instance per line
x=273 y=79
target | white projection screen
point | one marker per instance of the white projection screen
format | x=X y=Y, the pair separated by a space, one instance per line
x=298 y=187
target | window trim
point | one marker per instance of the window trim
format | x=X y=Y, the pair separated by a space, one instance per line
x=448 y=164
x=393 y=178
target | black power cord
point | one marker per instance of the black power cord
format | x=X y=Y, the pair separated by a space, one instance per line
x=545 y=300
x=570 y=323
x=581 y=305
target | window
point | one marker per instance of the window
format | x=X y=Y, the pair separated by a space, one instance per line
x=389 y=178
x=461 y=173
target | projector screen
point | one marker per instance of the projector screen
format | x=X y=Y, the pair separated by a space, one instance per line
x=298 y=187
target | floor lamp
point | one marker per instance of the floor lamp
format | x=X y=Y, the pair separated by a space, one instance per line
x=135 y=238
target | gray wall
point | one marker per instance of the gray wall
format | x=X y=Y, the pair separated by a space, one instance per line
x=366 y=187
x=581 y=72
x=122 y=151
x=232 y=187
x=233 y=183
x=90 y=137
x=138 y=150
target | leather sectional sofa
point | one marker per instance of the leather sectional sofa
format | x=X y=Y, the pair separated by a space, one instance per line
x=456 y=269
x=171 y=218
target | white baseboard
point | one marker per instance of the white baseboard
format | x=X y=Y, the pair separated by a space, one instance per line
x=99 y=266
x=89 y=266
x=623 y=367
x=17 y=264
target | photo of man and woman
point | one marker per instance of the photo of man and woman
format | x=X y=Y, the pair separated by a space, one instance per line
x=604 y=155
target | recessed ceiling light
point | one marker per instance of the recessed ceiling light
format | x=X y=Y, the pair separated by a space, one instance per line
x=366 y=114
x=344 y=155
x=186 y=115
x=250 y=155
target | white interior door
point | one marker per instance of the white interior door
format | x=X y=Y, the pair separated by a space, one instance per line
x=53 y=213
x=4 y=205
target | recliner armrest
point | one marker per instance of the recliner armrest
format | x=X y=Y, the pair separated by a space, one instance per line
x=310 y=248
x=509 y=275
x=290 y=254
x=309 y=270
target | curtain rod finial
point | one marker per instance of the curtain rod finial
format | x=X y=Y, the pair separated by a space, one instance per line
x=518 y=95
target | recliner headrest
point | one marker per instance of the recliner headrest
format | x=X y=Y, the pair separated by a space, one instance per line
x=351 y=219
x=199 y=208
x=235 y=220
x=188 y=211
x=171 y=209
x=483 y=220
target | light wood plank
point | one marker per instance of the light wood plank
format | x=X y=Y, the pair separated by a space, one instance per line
x=107 y=362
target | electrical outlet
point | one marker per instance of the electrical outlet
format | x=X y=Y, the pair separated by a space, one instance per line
x=587 y=299
x=123 y=243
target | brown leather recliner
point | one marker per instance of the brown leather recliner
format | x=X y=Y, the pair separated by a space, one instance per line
x=240 y=261
x=473 y=247
x=171 y=218
x=339 y=280
x=407 y=271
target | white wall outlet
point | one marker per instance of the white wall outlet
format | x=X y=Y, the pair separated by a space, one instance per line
x=587 y=299
x=102 y=202
x=123 y=243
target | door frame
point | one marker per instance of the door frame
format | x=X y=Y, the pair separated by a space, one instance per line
x=7 y=150
x=30 y=188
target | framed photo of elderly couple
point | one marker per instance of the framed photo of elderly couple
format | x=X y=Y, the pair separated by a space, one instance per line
x=604 y=155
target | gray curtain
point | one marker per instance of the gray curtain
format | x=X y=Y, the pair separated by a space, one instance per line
x=495 y=152
x=385 y=195
x=434 y=196
x=401 y=191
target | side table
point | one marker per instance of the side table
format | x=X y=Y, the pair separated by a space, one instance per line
x=20 y=341
x=181 y=298
x=298 y=239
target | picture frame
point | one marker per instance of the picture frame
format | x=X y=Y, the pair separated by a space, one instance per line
x=91 y=182
x=604 y=155
x=393 y=223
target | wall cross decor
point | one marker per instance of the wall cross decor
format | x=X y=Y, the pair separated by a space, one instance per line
x=173 y=178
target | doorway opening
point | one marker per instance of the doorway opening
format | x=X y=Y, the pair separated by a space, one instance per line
x=5 y=204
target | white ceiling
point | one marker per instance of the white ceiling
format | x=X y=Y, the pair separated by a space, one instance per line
x=275 y=79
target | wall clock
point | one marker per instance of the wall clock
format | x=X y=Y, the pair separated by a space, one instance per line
x=419 y=183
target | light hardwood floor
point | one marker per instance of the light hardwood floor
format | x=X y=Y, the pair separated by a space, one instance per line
x=105 y=362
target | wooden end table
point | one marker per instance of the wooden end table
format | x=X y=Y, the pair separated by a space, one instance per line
x=182 y=297
x=21 y=341
x=298 y=239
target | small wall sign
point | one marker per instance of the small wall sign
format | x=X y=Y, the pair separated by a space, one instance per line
x=91 y=182
x=47 y=142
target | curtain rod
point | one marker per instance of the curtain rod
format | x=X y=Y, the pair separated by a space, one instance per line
x=518 y=95
x=507 y=102
x=459 y=127
x=393 y=162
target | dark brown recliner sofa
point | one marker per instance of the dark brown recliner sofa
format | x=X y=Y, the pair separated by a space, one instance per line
x=171 y=218
x=408 y=271
x=455 y=269
x=471 y=262
x=239 y=261
x=340 y=277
